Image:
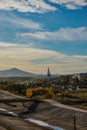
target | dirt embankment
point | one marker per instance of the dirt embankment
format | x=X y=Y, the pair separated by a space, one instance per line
x=12 y=123
x=61 y=117
x=45 y=112
x=9 y=122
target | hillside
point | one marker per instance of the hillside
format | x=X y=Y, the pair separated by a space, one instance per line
x=14 y=72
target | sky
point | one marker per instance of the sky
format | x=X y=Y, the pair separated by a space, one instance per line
x=37 y=34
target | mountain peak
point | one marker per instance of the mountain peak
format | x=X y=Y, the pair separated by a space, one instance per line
x=15 y=72
x=15 y=69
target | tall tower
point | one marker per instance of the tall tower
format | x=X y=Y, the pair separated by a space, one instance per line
x=48 y=73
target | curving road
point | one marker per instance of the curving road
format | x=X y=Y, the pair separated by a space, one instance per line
x=5 y=94
x=57 y=104
x=8 y=95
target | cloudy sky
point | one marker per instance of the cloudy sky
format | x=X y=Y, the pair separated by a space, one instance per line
x=35 y=34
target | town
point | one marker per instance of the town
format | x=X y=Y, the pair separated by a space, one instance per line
x=67 y=89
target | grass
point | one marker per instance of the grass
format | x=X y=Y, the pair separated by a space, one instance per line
x=80 y=94
x=76 y=98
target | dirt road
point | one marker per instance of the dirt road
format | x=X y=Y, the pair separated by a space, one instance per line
x=57 y=104
x=50 y=111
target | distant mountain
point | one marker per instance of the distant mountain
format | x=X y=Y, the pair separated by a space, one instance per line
x=14 y=72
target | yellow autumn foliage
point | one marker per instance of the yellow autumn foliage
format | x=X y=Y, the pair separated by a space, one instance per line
x=29 y=92
x=37 y=91
x=47 y=92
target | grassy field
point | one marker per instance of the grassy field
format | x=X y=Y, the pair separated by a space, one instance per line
x=77 y=98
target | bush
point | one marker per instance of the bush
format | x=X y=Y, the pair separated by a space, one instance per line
x=50 y=95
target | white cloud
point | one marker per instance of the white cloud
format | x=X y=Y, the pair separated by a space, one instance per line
x=11 y=45
x=71 y=4
x=19 y=22
x=39 y=6
x=81 y=56
x=63 y=34
x=37 y=60
x=2 y=44
x=36 y=35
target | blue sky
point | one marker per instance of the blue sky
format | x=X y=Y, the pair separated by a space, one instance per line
x=36 y=34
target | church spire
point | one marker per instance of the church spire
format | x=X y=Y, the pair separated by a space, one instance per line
x=48 y=73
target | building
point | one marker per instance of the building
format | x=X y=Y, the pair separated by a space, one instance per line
x=80 y=75
x=48 y=73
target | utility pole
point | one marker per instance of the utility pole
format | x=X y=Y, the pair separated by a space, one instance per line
x=74 y=122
